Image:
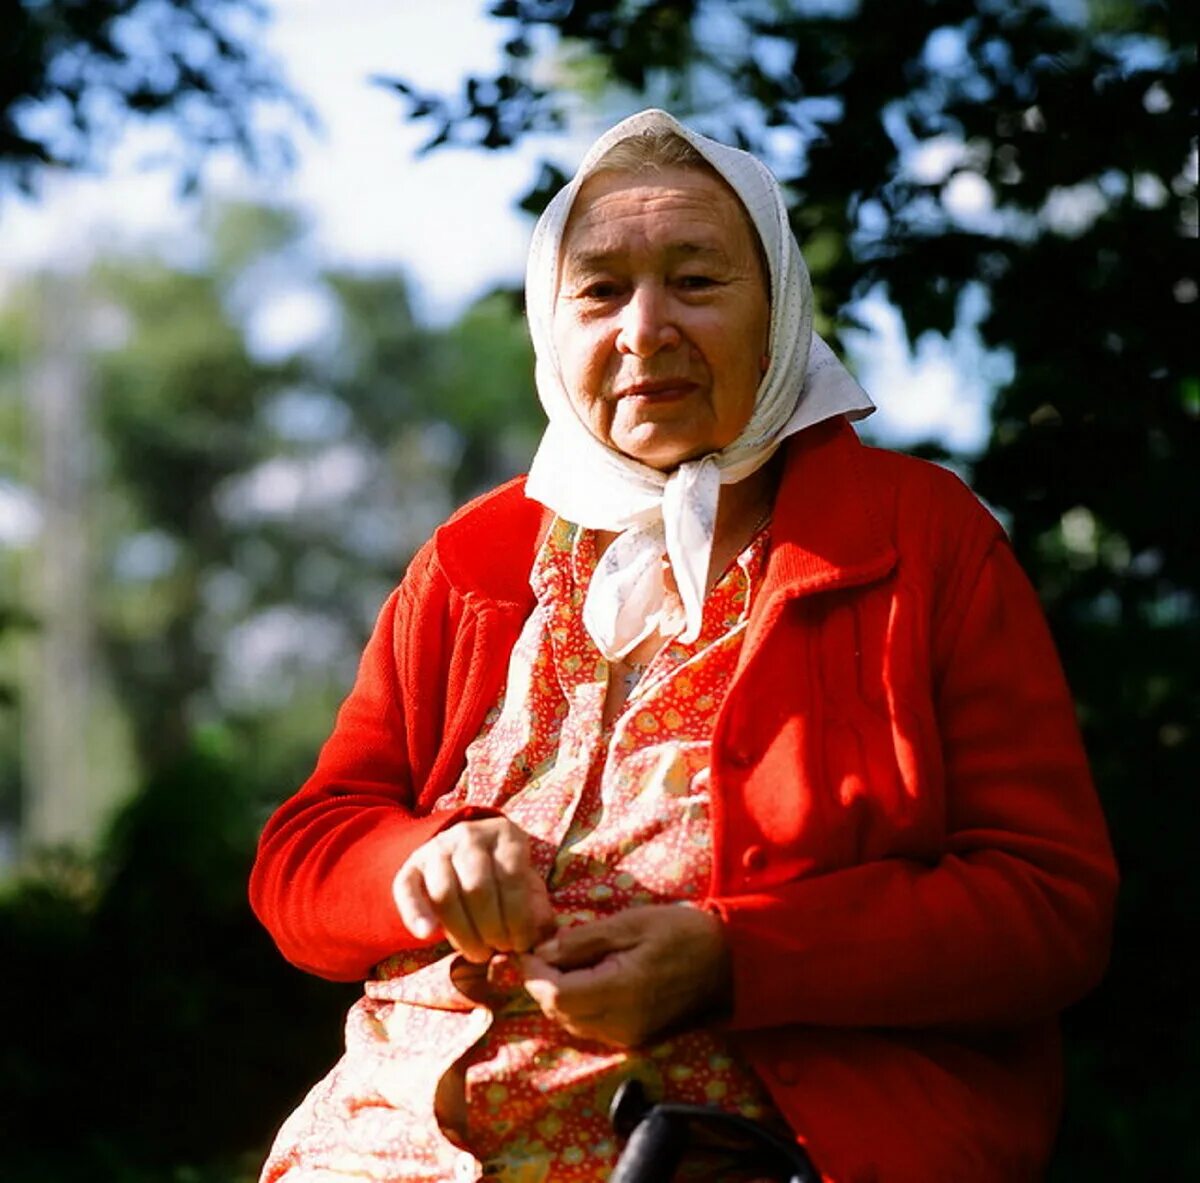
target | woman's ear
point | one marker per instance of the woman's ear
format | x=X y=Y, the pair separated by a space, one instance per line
x=764 y=363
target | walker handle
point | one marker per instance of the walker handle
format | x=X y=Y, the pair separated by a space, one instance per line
x=658 y=1139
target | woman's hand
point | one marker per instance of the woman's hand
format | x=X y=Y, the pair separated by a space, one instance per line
x=475 y=882
x=628 y=977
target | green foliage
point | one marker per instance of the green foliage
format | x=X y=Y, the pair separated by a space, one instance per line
x=154 y=1033
x=1076 y=137
x=161 y=1037
x=176 y=412
x=73 y=76
x=481 y=380
x=235 y=489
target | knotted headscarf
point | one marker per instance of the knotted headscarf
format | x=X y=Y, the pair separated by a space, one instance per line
x=584 y=480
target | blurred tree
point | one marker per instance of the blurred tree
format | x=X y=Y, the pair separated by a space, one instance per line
x=154 y=1034
x=1045 y=153
x=13 y=470
x=73 y=78
x=253 y=497
x=74 y=75
x=176 y=414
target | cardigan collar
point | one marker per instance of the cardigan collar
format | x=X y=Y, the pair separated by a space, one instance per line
x=487 y=548
x=828 y=528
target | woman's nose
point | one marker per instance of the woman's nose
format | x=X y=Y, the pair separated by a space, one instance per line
x=646 y=324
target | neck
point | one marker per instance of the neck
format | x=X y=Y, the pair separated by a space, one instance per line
x=741 y=510
x=742 y=506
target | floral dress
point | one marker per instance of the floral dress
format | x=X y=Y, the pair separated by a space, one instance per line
x=618 y=818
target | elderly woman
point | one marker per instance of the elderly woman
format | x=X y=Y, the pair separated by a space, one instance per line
x=723 y=753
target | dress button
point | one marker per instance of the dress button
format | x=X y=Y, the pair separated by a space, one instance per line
x=741 y=757
x=754 y=858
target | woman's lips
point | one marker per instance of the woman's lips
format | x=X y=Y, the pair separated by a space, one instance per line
x=658 y=391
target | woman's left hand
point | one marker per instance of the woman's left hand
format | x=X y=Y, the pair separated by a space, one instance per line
x=625 y=978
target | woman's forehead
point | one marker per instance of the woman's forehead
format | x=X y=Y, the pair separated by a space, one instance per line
x=686 y=210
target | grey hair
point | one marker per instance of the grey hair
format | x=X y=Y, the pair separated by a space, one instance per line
x=651 y=151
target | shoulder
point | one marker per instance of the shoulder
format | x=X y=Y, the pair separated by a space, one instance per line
x=925 y=509
x=486 y=547
x=924 y=495
x=941 y=532
x=852 y=505
x=946 y=539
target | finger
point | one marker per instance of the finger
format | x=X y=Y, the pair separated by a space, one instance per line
x=534 y=969
x=527 y=910
x=416 y=909
x=441 y=884
x=593 y=1013
x=547 y=986
x=476 y=873
x=541 y=983
x=523 y=900
x=542 y=914
x=586 y=944
x=590 y=991
x=575 y=995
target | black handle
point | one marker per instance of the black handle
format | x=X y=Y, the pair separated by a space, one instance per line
x=654 y=1150
x=658 y=1139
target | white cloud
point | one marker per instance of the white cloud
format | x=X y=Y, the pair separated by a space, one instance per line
x=969 y=199
x=289 y=320
x=931 y=161
x=263 y=658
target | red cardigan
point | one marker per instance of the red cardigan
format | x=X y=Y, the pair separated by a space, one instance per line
x=909 y=857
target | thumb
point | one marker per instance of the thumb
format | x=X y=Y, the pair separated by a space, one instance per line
x=541 y=981
x=585 y=944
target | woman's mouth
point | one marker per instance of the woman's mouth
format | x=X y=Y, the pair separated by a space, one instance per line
x=660 y=390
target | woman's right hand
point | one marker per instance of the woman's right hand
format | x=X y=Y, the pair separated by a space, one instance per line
x=476 y=882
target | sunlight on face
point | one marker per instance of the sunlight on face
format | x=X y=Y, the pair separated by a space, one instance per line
x=662 y=316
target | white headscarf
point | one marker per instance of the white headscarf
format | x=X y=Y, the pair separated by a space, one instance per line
x=584 y=480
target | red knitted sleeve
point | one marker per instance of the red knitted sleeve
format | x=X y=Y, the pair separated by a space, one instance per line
x=322 y=881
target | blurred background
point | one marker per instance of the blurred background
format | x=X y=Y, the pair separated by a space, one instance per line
x=260 y=330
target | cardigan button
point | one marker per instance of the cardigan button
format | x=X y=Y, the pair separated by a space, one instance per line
x=741 y=757
x=754 y=858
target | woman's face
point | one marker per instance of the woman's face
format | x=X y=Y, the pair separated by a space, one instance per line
x=662 y=315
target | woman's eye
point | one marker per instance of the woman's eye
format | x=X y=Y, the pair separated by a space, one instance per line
x=695 y=283
x=602 y=289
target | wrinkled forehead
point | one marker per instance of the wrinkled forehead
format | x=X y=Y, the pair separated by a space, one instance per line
x=617 y=168
x=755 y=188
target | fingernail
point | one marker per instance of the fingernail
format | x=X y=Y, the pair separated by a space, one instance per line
x=421 y=927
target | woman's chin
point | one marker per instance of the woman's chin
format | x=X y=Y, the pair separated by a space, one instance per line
x=665 y=450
